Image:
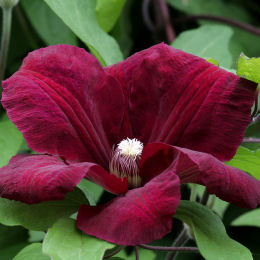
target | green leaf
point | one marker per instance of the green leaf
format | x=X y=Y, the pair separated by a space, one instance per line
x=241 y=41
x=32 y=252
x=80 y=17
x=251 y=218
x=40 y=216
x=12 y=240
x=248 y=161
x=108 y=11
x=50 y=28
x=220 y=7
x=11 y=140
x=91 y=190
x=210 y=234
x=36 y=236
x=249 y=68
x=65 y=242
x=207 y=41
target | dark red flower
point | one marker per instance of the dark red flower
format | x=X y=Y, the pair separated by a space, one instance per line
x=189 y=115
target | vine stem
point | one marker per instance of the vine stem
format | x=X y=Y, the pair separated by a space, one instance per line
x=181 y=239
x=251 y=140
x=136 y=253
x=216 y=18
x=6 y=32
x=169 y=248
x=114 y=252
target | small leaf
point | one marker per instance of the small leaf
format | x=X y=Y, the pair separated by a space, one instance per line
x=91 y=190
x=50 y=28
x=36 y=236
x=205 y=42
x=210 y=234
x=11 y=140
x=251 y=218
x=248 y=161
x=32 y=252
x=213 y=61
x=39 y=216
x=249 y=68
x=65 y=242
x=108 y=11
x=80 y=17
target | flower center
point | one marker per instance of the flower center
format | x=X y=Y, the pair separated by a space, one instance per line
x=125 y=160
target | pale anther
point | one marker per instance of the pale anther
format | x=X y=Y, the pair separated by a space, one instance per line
x=130 y=147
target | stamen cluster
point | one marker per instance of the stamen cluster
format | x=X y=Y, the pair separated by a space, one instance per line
x=125 y=160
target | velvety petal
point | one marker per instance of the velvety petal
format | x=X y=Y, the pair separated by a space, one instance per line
x=140 y=216
x=228 y=183
x=37 y=178
x=65 y=104
x=180 y=99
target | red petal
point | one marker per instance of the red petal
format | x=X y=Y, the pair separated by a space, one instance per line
x=180 y=99
x=65 y=104
x=37 y=178
x=140 y=216
x=228 y=183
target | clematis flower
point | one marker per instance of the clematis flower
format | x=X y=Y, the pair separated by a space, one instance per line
x=139 y=128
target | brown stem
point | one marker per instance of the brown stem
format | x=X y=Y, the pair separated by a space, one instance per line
x=146 y=15
x=136 y=253
x=163 y=12
x=240 y=25
x=114 y=252
x=251 y=140
x=169 y=248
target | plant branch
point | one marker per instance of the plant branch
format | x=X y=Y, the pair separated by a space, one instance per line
x=113 y=253
x=181 y=239
x=6 y=32
x=162 y=18
x=246 y=27
x=169 y=248
x=136 y=253
x=164 y=22
x=251 y=140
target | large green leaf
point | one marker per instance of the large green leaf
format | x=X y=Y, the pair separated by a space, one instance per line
x=39 y=216
x=219 y=7
x=248 y=161
x=12 y=240
x=242 y=41
x=32 y=252
x=251 y=218
x=10 y=140
x=50 y=28
x=207 y=41
x=249 y=68
x=210 y=234
x=108 y=11
x=65 y=242
x=80 y=17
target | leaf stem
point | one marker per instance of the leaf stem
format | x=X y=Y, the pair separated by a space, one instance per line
x=246 y=27
x=181 y=239
x=5 y=40
x=113 y=253
x=169 y=248
x=193 y=193
x=205 y=197
x=136 y=253
x=251 y=140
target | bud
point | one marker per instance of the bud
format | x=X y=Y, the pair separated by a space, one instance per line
x=8 y=3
